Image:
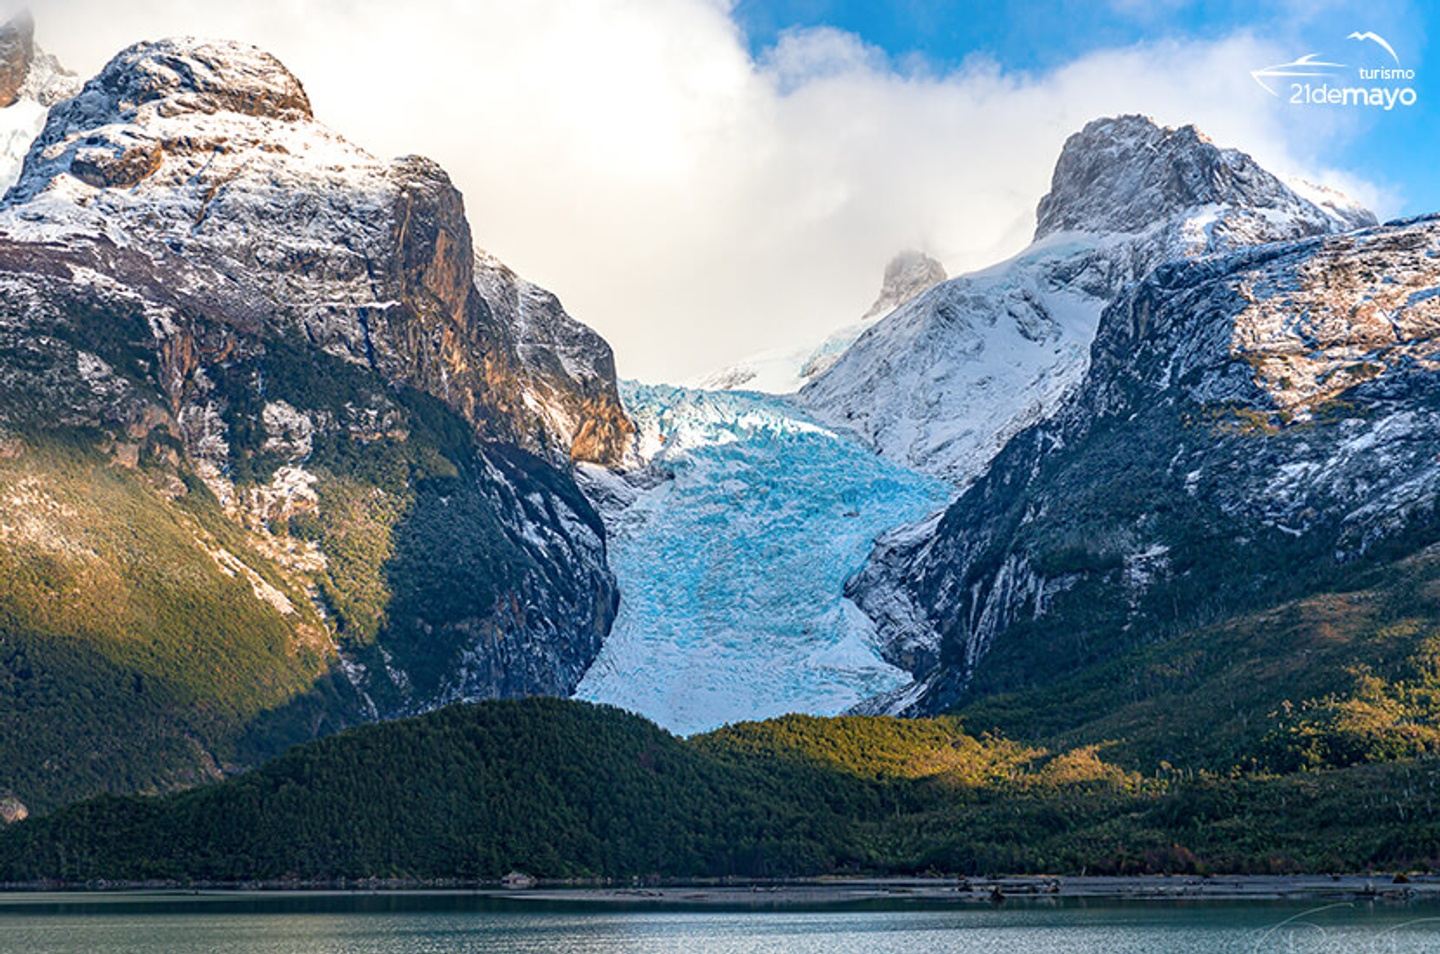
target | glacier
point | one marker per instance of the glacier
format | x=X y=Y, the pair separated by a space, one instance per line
x=731 y=547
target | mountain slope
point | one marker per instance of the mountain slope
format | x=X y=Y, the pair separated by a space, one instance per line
x=323 y=453
x=945 y=381
x=733 y=547
x=568 y=371
x=1253 y=429
x=209 y=153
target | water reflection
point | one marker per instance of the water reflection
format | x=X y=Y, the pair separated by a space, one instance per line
x=422 y=924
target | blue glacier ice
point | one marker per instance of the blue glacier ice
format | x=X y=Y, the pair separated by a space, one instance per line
x=732 y=549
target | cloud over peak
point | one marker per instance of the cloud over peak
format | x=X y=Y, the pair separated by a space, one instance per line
x=692 y=202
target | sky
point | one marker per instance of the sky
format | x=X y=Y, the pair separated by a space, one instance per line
x=701 y=180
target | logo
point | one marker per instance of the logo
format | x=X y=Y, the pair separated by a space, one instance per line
x=1316 y=80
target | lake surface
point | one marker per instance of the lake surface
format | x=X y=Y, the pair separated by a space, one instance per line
x=429 y=924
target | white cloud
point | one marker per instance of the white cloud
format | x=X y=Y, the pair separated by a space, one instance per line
x=692 y=204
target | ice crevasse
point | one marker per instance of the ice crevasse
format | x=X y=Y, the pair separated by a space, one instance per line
x=731 y=549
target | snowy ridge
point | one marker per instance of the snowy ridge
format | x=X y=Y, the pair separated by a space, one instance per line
x=1281 y=399
x=731 y=549
x=1126 y=173
x=787 y=370
x=942 y=383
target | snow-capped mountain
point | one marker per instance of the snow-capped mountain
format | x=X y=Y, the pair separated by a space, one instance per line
x=731 y=549
x=786 y=370
x=189 y=180
x=942 y=383
x=1252 y=427
x=31 y=81
x=731 y=546
x=333 y=450
x=209 y=154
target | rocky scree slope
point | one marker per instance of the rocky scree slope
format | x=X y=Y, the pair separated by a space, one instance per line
x=273 y=457
x=1253 y=428
x=942 y=383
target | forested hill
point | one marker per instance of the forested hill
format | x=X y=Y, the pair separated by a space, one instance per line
x=568 y=789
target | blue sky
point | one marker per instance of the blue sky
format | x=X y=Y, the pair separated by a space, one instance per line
x=1394 y=149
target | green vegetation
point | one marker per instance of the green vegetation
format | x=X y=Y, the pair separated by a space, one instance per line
x=1326 y=681
x=150 y=640
x=1300 y=736
x=110 y=590
x=567 y=789
x=1297 y=737
x=471 y=791
x=353 y=528
x=1257 y=707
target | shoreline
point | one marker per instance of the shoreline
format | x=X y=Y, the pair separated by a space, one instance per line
x=821 y=893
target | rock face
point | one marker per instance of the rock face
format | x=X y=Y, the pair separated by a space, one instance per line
x=946 y=380
x=907 y=275
x=251 y=321
x=1126 y=174
x=17 y=51
x=1252 y=427
x=568 y=369
x=785 y=371
x=210 y=152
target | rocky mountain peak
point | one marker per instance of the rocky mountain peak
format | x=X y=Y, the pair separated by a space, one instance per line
x=28 y=75
x=943 y=382
x=1280 y=399
x=201 y=155
x=907 y=275
x=190 y=75
x=1126 y=173
x=17 y=50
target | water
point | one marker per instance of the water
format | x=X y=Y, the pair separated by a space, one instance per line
x=429 y=924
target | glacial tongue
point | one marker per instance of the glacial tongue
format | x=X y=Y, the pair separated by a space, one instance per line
x=731 y=550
